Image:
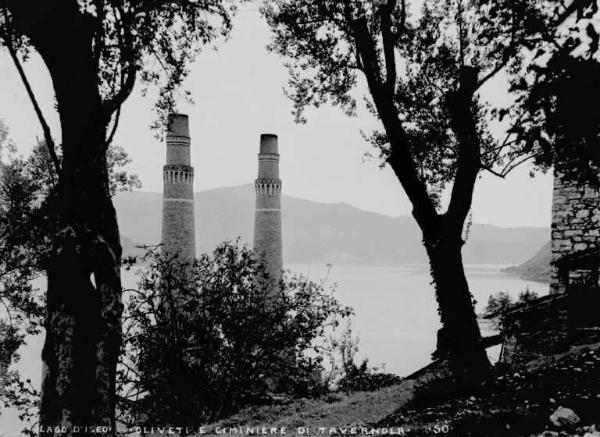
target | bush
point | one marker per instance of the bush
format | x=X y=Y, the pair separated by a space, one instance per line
x=204 y=338
x=500 y=304
x=364 y=378
x=344 y=374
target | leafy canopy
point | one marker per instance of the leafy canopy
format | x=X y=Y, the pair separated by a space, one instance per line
x=151 y=40
x=25 y=186
x=204 y=338
x=414 y=54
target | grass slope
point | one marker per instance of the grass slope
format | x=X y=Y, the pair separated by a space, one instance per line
x=333 y=411
x=515 y=403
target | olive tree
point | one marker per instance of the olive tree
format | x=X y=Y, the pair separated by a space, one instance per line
x=95 y=51
x=425 y=68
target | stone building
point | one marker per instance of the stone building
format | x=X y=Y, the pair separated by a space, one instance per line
x=575 y=229
x=569 y=314
x=178 y=235
x=267 y=222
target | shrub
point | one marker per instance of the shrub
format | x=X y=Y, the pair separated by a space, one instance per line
x=500 y=304
x=344 y=374
x=362 y=377
x=204 y=338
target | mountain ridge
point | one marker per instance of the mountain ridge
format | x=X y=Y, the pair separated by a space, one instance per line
x=536 y=268
x=320 y=232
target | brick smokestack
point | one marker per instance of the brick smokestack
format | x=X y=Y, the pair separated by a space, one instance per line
x=267 y=222
x=178 y=236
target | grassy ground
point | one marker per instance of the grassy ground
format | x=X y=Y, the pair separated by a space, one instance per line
x=518 y=402
x=333 y=411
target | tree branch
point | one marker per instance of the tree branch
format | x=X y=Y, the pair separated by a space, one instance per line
x=575 y=6
x=492 y=73
x=513 y=164
x=400 y=158
x=459 y=19
x=389 y=44
x=469 y=153
x=114 y=128
x=128 y=73
x=45 y=128
x=510 y=167
x=367 y=54
x=494 y=172
x=99 y=44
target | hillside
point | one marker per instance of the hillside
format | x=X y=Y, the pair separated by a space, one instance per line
x=320 y=232
x=536 y=268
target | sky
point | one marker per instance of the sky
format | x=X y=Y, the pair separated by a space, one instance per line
x=238 y=94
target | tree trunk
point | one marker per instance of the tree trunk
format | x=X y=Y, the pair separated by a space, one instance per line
x=82 y=342
x=83 y=324
x=83 y=320
x=459 y=340
x=83 y=329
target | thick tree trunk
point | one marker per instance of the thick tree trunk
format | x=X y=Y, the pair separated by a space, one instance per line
x=460 y=337
x=83 y=330
x=459 y=340
x=83 y=324
x=82 y=342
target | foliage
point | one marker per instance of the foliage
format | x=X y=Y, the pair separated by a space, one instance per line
x=362 y=377
x=425 y=68
x=516 y=402
x=527 y=296
x=341 y=372
x=25 y=185
x=554 y=119
x=500 y=304
x=14 y=392
x=21 y=302
x=20 y=243
x=154 y=41
x=95 y=51
x=417 y=58
x=339 y=353
x=203 y=338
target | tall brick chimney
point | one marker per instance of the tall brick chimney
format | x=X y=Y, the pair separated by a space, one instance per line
x=267 y=223
x=178 y=236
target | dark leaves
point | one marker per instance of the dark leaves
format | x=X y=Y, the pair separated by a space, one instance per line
x=514 y=39
x=151 y=40
x=203 y=338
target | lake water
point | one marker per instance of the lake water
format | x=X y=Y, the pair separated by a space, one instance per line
x=395 y=314
x=395 y=309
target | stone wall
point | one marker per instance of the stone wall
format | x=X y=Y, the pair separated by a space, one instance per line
x=575 y=223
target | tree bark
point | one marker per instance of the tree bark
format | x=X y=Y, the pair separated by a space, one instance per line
x=83 y=320
x=83 y=329
x=84 y=288
x=83 y=325
x=459 y=340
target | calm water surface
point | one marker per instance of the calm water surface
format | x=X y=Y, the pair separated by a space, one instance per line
x=396 y=314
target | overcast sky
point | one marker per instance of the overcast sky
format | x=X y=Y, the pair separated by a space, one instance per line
x=238 y=95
